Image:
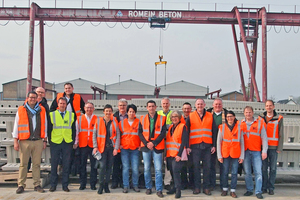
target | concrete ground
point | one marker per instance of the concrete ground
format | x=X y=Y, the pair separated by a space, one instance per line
x=283 y=191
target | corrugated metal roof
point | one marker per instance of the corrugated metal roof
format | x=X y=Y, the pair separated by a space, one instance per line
x=24 y=79
x=233 y=92
x=131 y=87
x=80 y=85
x=182 y=88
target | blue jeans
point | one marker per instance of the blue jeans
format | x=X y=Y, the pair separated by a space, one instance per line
x=269 y=179
x=130 y=157
x=234 y=170
x=253 y=158
x=157 y=158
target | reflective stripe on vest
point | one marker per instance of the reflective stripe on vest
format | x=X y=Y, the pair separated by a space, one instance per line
x=23 y=124
x=173 y=142
x=85 y=130
x=101 y=138
x=231 y=147
x=129 y=136
x=62 y=128
x=273 y=131
x=200 y=129
x=127 y=133
x=253 y=142
x=76 y=103
x=168 y=116
x=233 y=140
x=146 y=133
x=155 y=131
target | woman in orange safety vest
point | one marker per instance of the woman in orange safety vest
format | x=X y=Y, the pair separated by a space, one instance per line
x=106 y=140
x=230 y=151
x=130 y=143
x=176 y=141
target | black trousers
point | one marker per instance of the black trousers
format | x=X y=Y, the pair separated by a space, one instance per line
x=117 y=170
x=106 y=165
x=56 y=150
x=204 y=155
x=85 y=153
x=188 y=168
x=75 y=162
x=175 y=169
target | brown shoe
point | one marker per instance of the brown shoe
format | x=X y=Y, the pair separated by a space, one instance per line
x=20 y=190
x=207 y=192
x=196 y=191
x=224 y=193
x=66 y=189
x=39 y=189
x=160 y=194
x=233 y=194
x=148 y=191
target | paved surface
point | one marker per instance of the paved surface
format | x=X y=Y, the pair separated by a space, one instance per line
x=283 y=191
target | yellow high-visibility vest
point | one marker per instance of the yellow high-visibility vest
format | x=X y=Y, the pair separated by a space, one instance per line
x=62 y=127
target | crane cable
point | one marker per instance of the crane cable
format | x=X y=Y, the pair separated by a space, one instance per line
x=160 y=53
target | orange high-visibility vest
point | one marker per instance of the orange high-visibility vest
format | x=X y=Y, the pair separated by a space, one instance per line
x=76 y=102
x=272 y=131
x=130 y=138
x=101 y=135
x=85 y=135
x=182 y=120
x=201 y=130
x=173 y=142
x=23 y=125
x=231 y=145
x=160 y=122
x=253 y=143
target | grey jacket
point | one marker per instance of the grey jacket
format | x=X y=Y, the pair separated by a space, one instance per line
x=95 y=133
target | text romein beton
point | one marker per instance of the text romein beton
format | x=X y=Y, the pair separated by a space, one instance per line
x=160 y=14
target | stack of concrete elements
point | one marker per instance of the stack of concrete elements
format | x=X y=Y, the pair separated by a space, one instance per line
x=288 y=160
x=8 y=155
x=8 y=111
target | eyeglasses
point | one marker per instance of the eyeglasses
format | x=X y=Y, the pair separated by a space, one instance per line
x=32 y=97
x=89 y=107
x=229 y=116
x=174 y=116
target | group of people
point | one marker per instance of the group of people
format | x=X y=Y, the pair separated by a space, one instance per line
x=113 y=144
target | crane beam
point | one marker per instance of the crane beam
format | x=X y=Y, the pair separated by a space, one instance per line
x=141 y=16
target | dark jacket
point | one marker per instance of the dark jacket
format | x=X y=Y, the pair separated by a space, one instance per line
x=225 y=112
x=280 y=129
x=157 y=140
x=214 y=133
x=54 y=105
x=117 y=116
x=46 y=106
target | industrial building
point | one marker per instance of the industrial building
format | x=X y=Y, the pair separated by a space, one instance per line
x=16 y=90
x=129 y=89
